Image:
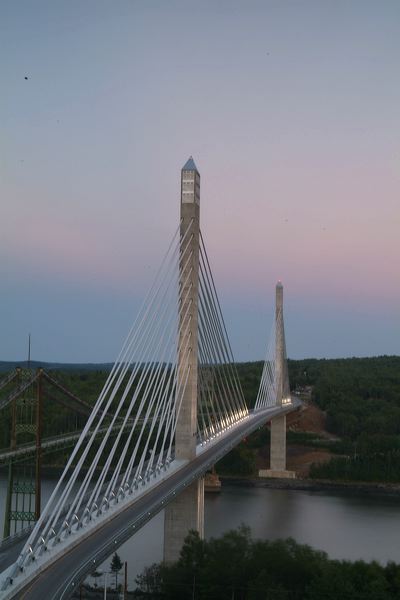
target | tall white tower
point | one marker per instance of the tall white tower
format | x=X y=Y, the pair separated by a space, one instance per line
x=186 y=512
x=278 y=424
x=185 y=438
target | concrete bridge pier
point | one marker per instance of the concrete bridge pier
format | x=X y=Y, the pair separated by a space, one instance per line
x=278 y=451
x=182 y=515
x=186 y=512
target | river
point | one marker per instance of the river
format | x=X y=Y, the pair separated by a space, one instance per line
x=345 y=525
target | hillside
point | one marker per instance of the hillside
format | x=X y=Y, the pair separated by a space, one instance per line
x=352 y=414
x=6 y=366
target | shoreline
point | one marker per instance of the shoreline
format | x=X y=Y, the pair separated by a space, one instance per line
x=315 y=485
x=304 y=485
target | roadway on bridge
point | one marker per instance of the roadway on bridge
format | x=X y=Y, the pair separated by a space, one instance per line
x=58 y=580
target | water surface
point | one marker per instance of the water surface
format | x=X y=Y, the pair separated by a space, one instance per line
x=346 y=526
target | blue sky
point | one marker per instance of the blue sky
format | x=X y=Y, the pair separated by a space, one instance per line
x=290 y=110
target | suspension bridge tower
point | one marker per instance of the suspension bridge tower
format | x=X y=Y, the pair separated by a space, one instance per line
x=186 y=512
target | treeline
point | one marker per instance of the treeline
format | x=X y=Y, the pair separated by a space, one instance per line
x=10 y=365
x=235 y=566
x=361 y=397
x=250 y=377
x=380 y=467
x=57 y=416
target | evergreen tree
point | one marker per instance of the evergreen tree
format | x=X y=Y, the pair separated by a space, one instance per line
x=116 y=566
x=235 y=566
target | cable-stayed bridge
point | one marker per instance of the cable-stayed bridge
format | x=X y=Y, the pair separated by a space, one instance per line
x=171 y=407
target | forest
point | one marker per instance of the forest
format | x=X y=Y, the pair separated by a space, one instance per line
x=236 y=566
x=361 y=398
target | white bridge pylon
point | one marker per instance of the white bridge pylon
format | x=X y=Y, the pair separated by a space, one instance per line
x=274 y=387
x=174 y=382
x=274 y=391
x=144 y=393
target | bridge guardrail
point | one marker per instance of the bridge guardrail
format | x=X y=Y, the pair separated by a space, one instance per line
x=12 y=539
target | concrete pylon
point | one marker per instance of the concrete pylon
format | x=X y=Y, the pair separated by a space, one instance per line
x=278 y=424
x=279 y=343
x=187 y=510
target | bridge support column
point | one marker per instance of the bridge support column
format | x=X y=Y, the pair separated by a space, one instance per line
x=278 y=451
x=182 y=515
x=186 y=512
x=278 y=424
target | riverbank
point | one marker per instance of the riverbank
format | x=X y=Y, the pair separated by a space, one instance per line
x=314 y=485
x=302 y=484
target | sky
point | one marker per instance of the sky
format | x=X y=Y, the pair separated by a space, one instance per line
x=291 y=112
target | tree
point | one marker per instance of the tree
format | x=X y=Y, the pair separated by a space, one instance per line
x=116 y=566
x=235 y=566
x=149 y=582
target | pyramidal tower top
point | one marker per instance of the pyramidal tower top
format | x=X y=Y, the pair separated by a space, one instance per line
x=190 y=165
x=190 y=183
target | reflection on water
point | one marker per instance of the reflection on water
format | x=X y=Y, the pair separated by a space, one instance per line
x=348 y=526
x=344 y=525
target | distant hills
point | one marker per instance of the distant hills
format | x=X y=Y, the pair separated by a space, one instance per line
x=305 y=362
x=35 y=364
